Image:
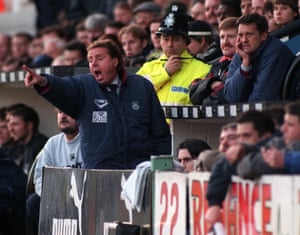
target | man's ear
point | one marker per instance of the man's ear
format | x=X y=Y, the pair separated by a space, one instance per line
x=30 y=125
x=116 y=61
x=144 y=43
x=264 y=36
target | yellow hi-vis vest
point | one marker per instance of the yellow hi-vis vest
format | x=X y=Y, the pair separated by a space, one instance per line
x=174 y=90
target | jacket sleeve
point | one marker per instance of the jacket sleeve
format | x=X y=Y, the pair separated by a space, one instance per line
x=219 y=181
x=160 y=136
x=65 y=94
x=237 y=87
x=270 y=74
x=12 y=184
x=199 y=90
x=292 y=162
x=156 y=73
x=252 y=166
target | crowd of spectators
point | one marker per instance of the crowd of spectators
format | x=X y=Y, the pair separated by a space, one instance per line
x=72 y=25
x=200 y=52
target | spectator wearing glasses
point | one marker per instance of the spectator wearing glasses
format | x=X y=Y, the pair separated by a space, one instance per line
x=188 y=151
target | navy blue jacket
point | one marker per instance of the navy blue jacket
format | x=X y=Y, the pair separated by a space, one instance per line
x=12 y=184
x=269 y=68
x=117 y=132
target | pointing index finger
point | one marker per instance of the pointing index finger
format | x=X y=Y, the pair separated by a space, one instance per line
x=27 y=69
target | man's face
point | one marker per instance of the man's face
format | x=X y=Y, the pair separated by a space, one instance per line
x=144 y=18
x=291 y=128
x=246 y=7
x=249 y=38
x=258 y=7
x=84 y=37
x=132 y=46
x=102 y=65
x=4 y=47
x=211 y=11
x=172 y=44
x=247 y=134
x=195 y=47
x=227 y=41
x=154 y=37
x=198 y=11
x=18 y=128
x=283 y=14
x=5 y=136
x=65 y=123
x=122 y=15
x=186 y=160
x=228 y=137
x=72 y=57
x=19 y=46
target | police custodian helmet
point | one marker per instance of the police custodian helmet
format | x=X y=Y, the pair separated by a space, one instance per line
x=175 y=23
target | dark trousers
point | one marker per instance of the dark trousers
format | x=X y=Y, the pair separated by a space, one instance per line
x=33 y=213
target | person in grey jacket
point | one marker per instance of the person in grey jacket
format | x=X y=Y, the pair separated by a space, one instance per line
x=61 y=150
x=259 y=67
x=279 y=155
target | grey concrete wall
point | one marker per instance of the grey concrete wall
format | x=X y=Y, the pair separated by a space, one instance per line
x=11 y=93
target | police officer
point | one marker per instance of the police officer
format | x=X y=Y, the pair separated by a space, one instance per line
x=176 y=69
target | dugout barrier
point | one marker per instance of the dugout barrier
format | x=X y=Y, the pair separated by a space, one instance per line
x=77 y=201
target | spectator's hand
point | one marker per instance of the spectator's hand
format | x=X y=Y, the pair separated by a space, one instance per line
x=212 y=216
x=273 y=157
x=173 y=64
x=239 y=50
x=234 y=153
x=32 y=78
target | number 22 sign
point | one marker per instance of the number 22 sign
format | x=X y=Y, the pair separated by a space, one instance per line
x=170 y=203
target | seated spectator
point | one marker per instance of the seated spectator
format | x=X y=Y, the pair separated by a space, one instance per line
x=176 y=69
x=286 y=16
x=258 y=7
x=156 y=52
x=61 y=150
x=7 y=143
x=75 y=54
x=134 y=41
x=5 y=47
x=228 y=138
x=144 y=13
x=82 y=34
x=95 y=25
x=19 y=47
x=246 y=7
x=113 y=27
x=211 y=12
x=188 y=151
x=54 y=40
x=122 y=13
x=210 y=90
x=197 y=10
x=254 y=129
x=268 y=13
x=36 y=47
x=254 y=74
x=228 y=8
x=23 y=125
x=280 y=153
x=12 y=194
x=285 y=11
x=203 y=45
